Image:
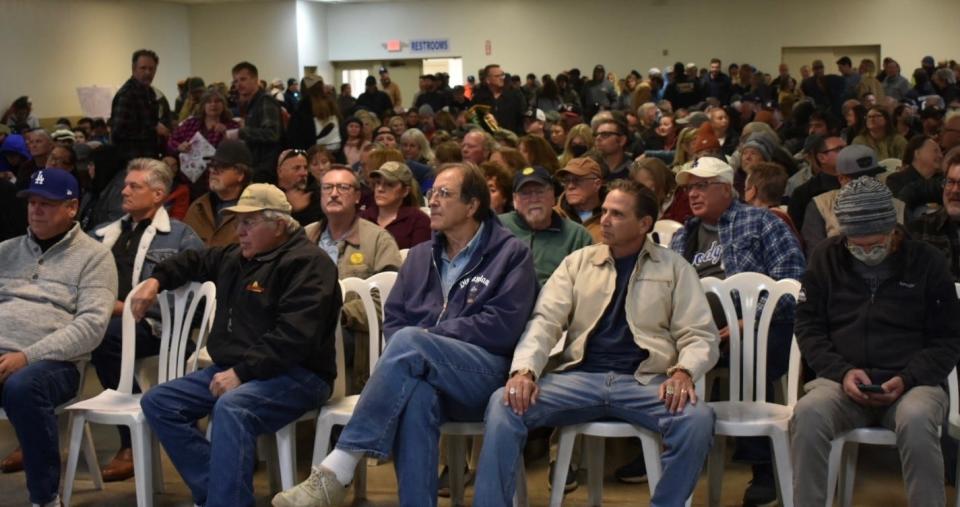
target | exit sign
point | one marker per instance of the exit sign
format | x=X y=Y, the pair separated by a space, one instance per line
x=394 y=45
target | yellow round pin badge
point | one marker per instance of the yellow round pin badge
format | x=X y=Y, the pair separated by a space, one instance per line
x=356 y=258
x=528 y=171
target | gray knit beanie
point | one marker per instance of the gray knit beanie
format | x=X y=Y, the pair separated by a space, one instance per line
x=864 y=207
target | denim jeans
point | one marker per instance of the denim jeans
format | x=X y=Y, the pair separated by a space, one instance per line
x=421 y=381
x=29 y=398
x=220 y=472
x=576 y=397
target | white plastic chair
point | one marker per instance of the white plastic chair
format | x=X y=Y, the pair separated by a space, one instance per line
x=122 y=406
x=287 y=436
x=598 y=430
x=403 y=254
x=664 y=230
x=842 y=463
x=748 y=414
x=457 y=434
x=891 y=165
x=339 y=409
x=89 y=452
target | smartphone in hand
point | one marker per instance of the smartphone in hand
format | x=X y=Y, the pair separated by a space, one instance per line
x=871 y=388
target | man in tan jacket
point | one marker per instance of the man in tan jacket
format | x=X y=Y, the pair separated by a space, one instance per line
x=230 y=172
x=638 y=333
x=358 y=247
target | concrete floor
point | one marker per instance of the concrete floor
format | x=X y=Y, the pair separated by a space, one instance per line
x=879 y=482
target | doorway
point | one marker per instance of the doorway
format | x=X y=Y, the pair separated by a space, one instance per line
x=405 y=73
x=795 y=57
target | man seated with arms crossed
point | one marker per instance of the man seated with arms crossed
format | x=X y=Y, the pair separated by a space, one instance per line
x=877 y=323
x=57 y=288
x=639 y=331
x=272 y=346
x=452 y=321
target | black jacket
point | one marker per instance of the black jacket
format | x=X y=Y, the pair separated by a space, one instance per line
x=908 y=327
x=275 y=311
x=263 y=133
x=508 y=108
x=938 y=230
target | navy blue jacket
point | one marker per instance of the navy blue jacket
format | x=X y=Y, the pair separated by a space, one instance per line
x=488 y=306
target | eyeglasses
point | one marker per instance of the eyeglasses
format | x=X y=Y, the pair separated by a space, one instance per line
x=702 y=186
x=951 y=183
x=441 y=193
x=248 y=222
x=343 y=188
x=574 y=181
x=604 y=135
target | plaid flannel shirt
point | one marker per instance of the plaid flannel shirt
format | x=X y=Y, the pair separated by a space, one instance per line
x=134 y=114
x=754 y=240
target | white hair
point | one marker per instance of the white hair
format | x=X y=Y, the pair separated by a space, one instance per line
x=159 y=174
x=290 y=224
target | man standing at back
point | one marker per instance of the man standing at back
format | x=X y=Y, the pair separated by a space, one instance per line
x=506 y=104
x=452 y=320
x=136 y=126
x=261 y=126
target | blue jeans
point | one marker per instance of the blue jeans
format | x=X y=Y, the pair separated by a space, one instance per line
x=421 y=381
x=220 y=471
x=576 y=397
x=29 y=398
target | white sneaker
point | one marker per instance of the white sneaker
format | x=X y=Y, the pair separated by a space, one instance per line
x=321 y=489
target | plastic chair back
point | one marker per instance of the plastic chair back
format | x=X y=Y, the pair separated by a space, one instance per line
x=177 y=310
x=362 y=288
x=748 y=349
x=340 y=383
x=384 y=283
x=891 y=165
x=664 y=231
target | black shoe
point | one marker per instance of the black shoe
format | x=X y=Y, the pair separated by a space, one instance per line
x=762 y=490
x=443 y=483
x=634 y=472
x=571 y=483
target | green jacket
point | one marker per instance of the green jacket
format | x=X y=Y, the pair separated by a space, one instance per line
x=551 y=245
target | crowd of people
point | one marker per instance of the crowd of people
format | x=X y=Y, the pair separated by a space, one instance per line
x=520 y=217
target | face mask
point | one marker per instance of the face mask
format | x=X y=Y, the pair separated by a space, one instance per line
x=871 y=257
x=578 y=150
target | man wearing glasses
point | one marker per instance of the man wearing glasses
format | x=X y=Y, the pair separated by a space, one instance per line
x=358 y=247
x=272 y=347
x=230 y=169
x=726 y=237
x=611 y=146
x=824 y=166
x=582 y=181
x=452 y=321
x=506 y=104
x=940 y=229
x=550 y=236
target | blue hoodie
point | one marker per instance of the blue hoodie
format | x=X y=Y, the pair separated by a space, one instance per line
x=13 y=143
x=488 y=306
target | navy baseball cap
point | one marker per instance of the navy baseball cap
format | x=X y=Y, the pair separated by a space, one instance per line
x=53 y=184
x=536 y=173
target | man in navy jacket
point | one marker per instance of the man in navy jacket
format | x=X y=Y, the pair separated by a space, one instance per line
x=452 y=321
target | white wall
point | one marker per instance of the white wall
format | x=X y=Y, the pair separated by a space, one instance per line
x=52 y=46
x=539 y=37
x=224 y=34
x=312 y=39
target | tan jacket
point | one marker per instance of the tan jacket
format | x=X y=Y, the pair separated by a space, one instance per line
x=200 y=218
x=367 y=250
x=666 y=311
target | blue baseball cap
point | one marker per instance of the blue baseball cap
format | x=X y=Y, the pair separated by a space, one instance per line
x=53 y=184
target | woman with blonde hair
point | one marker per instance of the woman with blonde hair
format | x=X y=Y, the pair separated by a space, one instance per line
x=684 y=149
x=654 y=174
x=416 y=147
x=579 y=142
